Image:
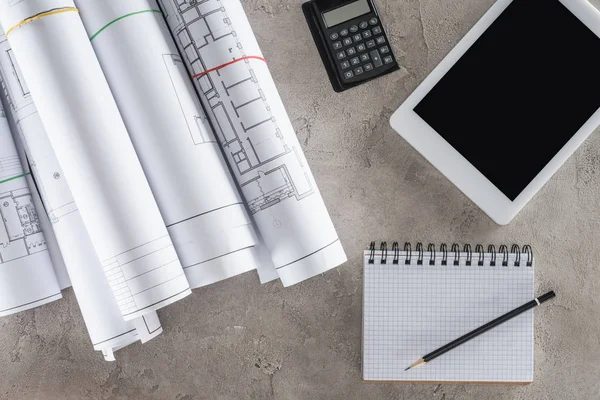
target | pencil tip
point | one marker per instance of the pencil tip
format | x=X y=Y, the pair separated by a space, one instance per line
x=416 y=364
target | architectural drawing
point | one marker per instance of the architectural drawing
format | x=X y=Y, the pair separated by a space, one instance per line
x=268 y=169
x=230 y=74
x=107 y=329
x=20 y=232
x=23 y=109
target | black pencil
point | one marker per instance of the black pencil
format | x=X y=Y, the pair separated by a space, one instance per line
x=490 y=325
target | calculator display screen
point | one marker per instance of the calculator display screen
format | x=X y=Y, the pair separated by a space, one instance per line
x=346 y=13
x=519 y=94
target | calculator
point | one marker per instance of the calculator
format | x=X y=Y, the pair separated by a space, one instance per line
x=351 y=41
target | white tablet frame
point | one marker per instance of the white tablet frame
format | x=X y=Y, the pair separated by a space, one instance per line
x=456 y=167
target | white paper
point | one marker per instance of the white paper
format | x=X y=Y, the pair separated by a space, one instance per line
x=93 y=148
x=253 y=128
x=190 y=180
x=107 y=329
x=412 y=310
x=27 y=277
x=60 y=270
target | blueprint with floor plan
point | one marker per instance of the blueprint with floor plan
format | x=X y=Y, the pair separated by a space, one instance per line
x=256 y=135
x=23 y=250
x=107 y=329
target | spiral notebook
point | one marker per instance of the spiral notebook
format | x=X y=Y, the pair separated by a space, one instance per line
x=417 y=300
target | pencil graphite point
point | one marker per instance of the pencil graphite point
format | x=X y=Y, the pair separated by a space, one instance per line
x=417 y=363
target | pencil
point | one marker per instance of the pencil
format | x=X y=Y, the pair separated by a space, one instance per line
x=490 y=325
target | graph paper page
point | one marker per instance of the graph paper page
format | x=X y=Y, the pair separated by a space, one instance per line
x=411 y=310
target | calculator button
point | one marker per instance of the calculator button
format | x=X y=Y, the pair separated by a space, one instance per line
x=384 y=49
x=348 y=75
x=351 y=51
x=388 y=59
x=354 y=29
x=373 y=21
x=344 y=32
x=371 y=44
x=347 y=41
x=357 y=37
x=367 y=34
x=376 y=58
x=364 y=57
x=341 y=55
x=355 y=61
x=361 y=47
x=363 y=25
x=368 y=67
x=334 y=36
x=345 y=65
x=377 y=30
x=380 y=40
x=337 y=45
x=358 y=71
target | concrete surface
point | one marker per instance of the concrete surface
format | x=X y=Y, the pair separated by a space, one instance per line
x=238 y=339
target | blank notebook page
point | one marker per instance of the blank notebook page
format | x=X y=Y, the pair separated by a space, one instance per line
x=411 y=310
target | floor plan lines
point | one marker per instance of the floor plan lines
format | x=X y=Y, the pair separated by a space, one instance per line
x=268 y=169
x=272 y=187
x=20 y=231
x=55 y=196
x=252 y=127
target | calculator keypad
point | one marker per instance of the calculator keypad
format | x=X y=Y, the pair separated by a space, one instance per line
x=361 y=48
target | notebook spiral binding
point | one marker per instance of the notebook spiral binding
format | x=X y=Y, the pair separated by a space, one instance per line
x=472 y=257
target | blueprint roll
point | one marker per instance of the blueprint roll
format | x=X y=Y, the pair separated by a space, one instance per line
x=27 y=277
x=197 y=197
x=258 y=140
x=503 y=257
x=92 y=145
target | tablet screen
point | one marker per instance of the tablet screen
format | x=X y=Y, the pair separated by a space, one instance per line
x=519 y=94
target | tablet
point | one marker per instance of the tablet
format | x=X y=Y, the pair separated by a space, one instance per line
x=511 y=102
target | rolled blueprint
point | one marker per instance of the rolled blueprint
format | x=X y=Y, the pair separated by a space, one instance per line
x=190 y=180
x=93 y=148
x=27 y=278
x=252 y=126
x=107 y=329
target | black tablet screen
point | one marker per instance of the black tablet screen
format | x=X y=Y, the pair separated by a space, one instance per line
x=519 y=94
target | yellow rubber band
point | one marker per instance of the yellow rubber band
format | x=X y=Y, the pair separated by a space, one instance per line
x=40 y=16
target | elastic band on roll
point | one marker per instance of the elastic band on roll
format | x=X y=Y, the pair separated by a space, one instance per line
x=40 y=16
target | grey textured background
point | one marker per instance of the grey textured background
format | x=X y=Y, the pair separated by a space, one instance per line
x=238 y=339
